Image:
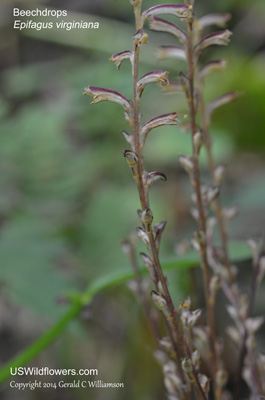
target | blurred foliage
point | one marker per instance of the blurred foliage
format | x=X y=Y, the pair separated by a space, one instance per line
x=61 y=160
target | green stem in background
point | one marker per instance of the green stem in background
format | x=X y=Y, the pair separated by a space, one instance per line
x=101 y=284
x=202 y=220
x=42 y=343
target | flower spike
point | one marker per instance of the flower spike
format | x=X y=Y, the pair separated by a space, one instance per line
x=102 y=94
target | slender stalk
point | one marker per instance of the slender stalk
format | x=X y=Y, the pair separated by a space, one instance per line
x=243 y=350
x=142 y=295
x=216 y=203
x=202 y=219
x=145 y=204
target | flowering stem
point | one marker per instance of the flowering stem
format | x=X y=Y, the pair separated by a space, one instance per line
x=143 y=194
x=202 y=220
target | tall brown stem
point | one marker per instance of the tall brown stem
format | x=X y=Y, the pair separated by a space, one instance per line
x=202 y=219
x=144 y=204
x=216 y=203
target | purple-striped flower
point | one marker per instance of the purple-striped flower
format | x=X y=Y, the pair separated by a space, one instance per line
x=159 y=24
x=153 y=177
x=131 y=158
x=165 y=119
x=216 y=38
x=179 y=10
x=102 y=94
x=120 y=57
x=154 y=76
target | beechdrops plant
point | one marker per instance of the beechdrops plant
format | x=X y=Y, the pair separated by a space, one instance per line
x=190 y=354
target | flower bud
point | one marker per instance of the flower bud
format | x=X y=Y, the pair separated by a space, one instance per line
x=140 y=38
x=186 y=163
x=161 y=303
x=198 y=240
x=205 y=384
x=198 y=141
x=189 y=318
x=219 y=175
x=158 y=230
x=143 y=236
x=147 y=218
x=153 y=177
x=187 y=367
x=132 y=161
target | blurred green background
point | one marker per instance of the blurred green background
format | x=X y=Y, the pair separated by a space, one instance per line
x=66 y=194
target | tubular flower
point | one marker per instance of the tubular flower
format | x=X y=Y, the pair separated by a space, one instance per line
x=101 y=94
x=154 y=76
x=159 y=24
x=216 y=38
x=120 y=57
x=179 y=10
